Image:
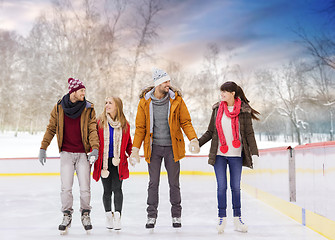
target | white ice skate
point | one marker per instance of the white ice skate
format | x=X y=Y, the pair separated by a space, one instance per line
x=66 y=223
x=222 y=221
x=117 y=221
x=239 y=225
x=86 y=221
x=109 y=220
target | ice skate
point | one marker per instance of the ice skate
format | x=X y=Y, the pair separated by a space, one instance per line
x=239 y=225
x=176 y=222
x=86 y=220
x=117 y=221
x=109 y=220
x=66 y=223
x=221 y=224
x=150 y=223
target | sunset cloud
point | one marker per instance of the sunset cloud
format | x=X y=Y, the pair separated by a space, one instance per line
x=257 y=29
x=19 y=15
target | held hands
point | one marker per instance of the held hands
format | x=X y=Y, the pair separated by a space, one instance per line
x=134 y=156
x=194 y=146
x=93 y=156
x=42 y=157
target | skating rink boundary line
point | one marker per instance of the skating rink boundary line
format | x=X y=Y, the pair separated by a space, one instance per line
x=316 y=222
x=201 y=173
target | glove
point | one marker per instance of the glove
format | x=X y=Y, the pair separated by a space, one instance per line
x=254 y=158
x=194 y=146
x=134 y=156
x=93 y=156
x=42 y=157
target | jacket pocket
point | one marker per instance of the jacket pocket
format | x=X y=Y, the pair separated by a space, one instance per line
x=180 y=147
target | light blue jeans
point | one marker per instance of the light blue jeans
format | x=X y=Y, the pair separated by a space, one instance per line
x=235 y=170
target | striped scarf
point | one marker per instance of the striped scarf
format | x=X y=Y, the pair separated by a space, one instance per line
x=117 y=139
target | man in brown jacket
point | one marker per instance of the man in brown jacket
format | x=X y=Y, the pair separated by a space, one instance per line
x=73 y=120
x=161 y=115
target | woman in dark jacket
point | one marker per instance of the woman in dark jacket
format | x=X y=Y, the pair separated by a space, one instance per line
x=233 y=143
x=112 y=164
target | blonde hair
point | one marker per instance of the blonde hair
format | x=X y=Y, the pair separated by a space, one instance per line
x=119 y=114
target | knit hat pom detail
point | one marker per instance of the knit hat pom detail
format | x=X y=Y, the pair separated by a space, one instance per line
x=236 y=143
x=224 y=149
x=116 y=161
x=104 y=173
x=74 y=85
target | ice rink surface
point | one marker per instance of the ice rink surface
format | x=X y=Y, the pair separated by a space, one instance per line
x=30 y=209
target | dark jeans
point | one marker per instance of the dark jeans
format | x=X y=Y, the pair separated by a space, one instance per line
x=173 y=171
x=235 y=170
x=112 y=184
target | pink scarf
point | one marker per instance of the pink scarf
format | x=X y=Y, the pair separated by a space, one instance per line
x=234 y=124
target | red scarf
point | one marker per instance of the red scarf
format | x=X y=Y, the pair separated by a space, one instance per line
x=234 y=124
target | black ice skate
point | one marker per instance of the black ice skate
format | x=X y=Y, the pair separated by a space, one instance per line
x=150 y=223
x=176 y=222
x=66 y=223
x=86 y=220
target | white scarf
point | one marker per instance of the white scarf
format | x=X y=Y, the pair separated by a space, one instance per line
x=117 y=139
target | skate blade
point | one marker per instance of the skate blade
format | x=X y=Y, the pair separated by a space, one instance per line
x=244 y=230
x=64 y=232
x=88 y=232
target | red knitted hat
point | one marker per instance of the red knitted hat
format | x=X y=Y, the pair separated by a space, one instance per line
x=75 y=84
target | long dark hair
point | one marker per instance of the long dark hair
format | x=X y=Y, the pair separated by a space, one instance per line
x=233 y=87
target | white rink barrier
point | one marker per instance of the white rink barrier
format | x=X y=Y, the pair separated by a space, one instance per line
x=299 y=182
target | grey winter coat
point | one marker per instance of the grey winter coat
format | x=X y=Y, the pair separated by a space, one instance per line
x=249 y=146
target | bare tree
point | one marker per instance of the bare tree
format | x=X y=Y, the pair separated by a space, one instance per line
x=217 y=62
x=324 y=91
x=146 y=32
x=9 y=44
x=321 y=47
x=286 y=95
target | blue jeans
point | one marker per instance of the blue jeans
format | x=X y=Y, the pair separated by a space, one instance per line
x=235 y=170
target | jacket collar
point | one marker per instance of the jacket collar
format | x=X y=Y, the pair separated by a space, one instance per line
x=244 y=107
x=148 y=94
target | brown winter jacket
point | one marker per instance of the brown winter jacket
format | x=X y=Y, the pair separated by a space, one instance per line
x=179 y=118
x=88 y=125
x=249 y=146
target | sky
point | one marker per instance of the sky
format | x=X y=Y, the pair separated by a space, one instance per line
x=257 y=32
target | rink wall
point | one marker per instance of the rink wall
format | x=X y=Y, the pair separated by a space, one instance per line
x=299 y=182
